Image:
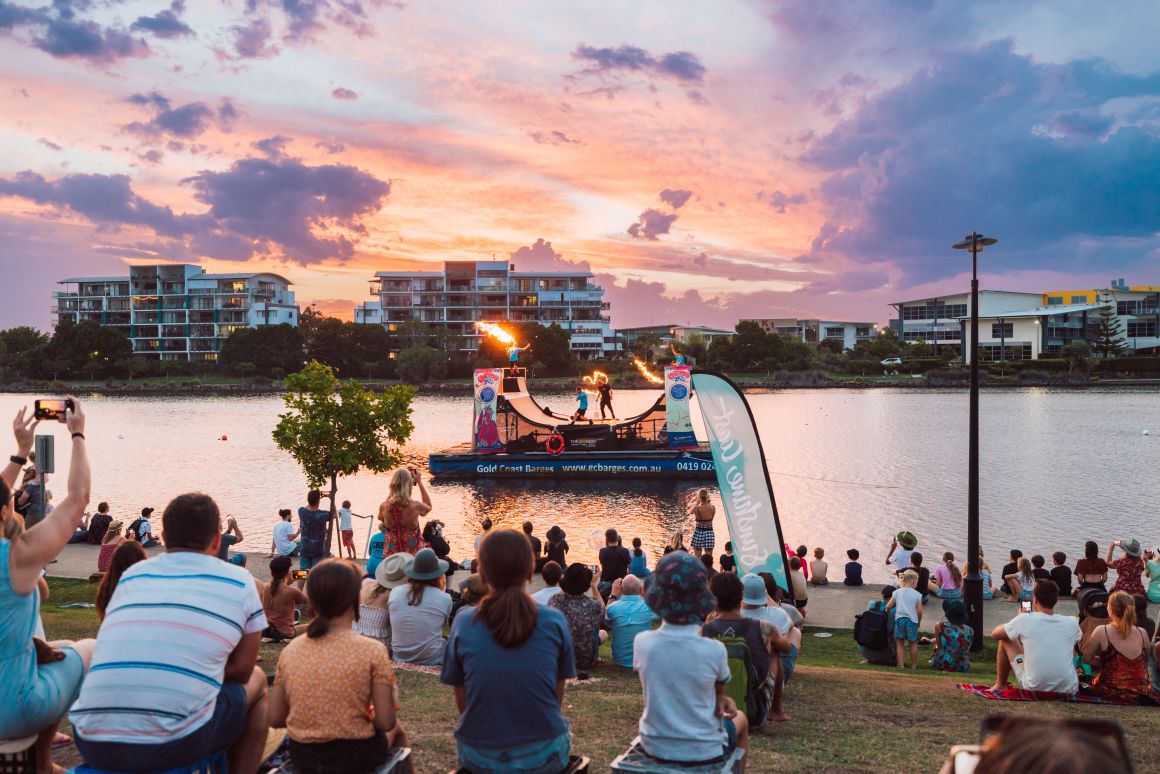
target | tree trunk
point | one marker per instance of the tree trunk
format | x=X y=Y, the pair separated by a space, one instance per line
x=333 y=513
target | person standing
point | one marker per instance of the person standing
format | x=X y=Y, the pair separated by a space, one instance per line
x=605 y=390
x=312 y=526
x=507 y=662
x=514 y=352
x=703 y=512
x=399 y=514
x=286 y=542
x=346 y=530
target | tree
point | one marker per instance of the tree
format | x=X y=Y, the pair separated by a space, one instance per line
x=831 y=345
x=337 y=428
x=22 y=339
x=421 y=364
x=644 y=345
x=76 y=348
x=268 y=348
x=696 y=348
x=551 y=347
x=886 y=344
x=351 y=349
x=1109 y=333
x=1078 y=356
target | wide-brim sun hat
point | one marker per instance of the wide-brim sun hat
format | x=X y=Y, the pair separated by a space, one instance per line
x=114 y=526
x=755 y=593
x=555 y=533
x=678 y=590
x=1131 y=547
x=391 y=570
x=907 y=540
x=577 y=579
x=425 y=565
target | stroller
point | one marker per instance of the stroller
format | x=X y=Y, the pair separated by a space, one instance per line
x=1093 y=613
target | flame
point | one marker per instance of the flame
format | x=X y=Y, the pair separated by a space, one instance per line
x=596 y=378
x=646 y=373
x=495 y=331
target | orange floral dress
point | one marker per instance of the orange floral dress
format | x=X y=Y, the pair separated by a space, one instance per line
x=1121 y=678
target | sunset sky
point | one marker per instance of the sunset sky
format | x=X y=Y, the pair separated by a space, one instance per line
x=708 y=160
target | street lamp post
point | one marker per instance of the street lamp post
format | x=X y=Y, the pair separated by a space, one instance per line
x=973 y=581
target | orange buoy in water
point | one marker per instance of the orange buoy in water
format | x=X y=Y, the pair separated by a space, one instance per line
x=224 y=438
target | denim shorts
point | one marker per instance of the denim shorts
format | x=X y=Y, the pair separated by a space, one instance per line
x=306 y=562
x=788 y=660
x=906 y=629
x=547 y=757
x=222 y=729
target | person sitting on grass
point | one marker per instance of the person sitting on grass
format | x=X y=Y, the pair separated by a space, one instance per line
x=952 y=639
x=907 y=603
x=1120 y=649
x=551 y=573
x=279 y=600
x=687 y=717
x=948 y=579
x=341 y=717
x=638 y=565
x=766 y=646
x=626 y=617
x=819 y=568
x=1060 y=573
x=419 y=610
x=777 y=596
x=126 y=555
x=37 y=683
x=886 y=655
x=374 y=615
x=755 y=604
x=1020 y=584
x=853 y=569
x=583 y=608
x=508 y=660
x=202 y=619
x=1091 y=572
x=1037 y=647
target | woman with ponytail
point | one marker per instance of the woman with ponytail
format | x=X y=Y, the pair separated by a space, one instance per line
x=334 y=690
x=1120 y=650
x=948 y=579
x=279 y=600
x=508 y=660
x=126 y=555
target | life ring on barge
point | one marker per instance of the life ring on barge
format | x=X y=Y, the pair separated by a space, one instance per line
x=555 y=444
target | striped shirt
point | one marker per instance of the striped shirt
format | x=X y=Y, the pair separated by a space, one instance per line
x=162 y=649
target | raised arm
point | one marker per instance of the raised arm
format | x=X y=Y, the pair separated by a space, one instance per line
x=24 y=428
x=890 y=553
x=1111 y=551
x=426 y=498
x=41 y=544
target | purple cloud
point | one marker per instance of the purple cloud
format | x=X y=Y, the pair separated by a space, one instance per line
x=49 y=144
x=675 y=197
x=342 y=93
x=252 y=40
x=166 y=23
x=273 y=147
x=679 y=65
x=651 y=225
x=186 y=121
x=542 y=257
x=278 y=208
x=779 y=200
x=553 y=137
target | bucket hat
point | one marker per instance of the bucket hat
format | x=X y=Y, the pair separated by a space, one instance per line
x=390 y=572
x=1131 y=547
x=555 y=533
x=907 y=540
x=755 y=593
x=678 y=591
x=955 y=611
x=424 y=566
x=577 y=579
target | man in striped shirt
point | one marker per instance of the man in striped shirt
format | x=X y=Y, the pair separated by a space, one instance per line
x=174 y=675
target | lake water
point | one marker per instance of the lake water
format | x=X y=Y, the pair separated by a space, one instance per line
x=849 y=469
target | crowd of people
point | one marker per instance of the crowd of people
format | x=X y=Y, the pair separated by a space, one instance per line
x=173 y=672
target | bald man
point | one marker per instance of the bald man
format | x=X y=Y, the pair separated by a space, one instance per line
x=626 y=617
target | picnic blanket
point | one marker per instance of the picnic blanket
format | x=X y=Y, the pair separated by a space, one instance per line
x=1021 y=694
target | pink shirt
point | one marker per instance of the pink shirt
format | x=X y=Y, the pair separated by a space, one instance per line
x=946 y=581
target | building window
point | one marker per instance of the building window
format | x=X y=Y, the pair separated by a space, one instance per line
x=1079 y=299
x=1002 y=330
x=1054 y=300
x=835 y=333
x=1142 y=329
x=1127 y=307
x=1016 y=351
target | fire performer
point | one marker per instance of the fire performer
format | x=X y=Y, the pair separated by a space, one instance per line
x=605 y=390
x=678 y=358
x=514 y=352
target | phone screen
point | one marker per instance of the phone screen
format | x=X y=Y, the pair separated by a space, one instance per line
x=1026 y=606
x=52 y=409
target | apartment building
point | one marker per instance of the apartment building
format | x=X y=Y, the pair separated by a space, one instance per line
x=1027 y=326
x=466 y=292
x=814 y=332
x=669 y=334
x=177 y=311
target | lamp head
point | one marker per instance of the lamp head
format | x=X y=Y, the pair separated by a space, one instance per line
x=974 y=242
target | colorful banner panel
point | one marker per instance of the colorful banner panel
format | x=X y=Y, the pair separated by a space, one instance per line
x=485 y=431
x=746 y=491
x=678 y=389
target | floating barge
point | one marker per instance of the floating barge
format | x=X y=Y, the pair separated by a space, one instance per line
x=513 y=436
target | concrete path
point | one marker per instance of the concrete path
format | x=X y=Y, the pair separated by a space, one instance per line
x=833 y=606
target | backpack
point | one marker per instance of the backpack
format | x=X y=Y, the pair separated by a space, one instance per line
x=135 y=527
x=745 y=688
x=870 y=629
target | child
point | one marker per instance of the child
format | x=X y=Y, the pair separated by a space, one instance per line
x=1061 y=573
x=581 y=405
x=727 y=562
x=853 y=569
x=707 y=560
x=907 y=605
x=638 y=565
x=1037 y=562
x=797 y=583
x=952 y=639
x=818 y=568
x=801 y=554
x=922 y=586
x=346 y=529
x=1020 y=584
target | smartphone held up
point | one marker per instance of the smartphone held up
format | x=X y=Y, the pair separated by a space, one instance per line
x=52 y=409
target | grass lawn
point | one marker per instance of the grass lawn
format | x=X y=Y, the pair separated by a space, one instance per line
x=846 y=717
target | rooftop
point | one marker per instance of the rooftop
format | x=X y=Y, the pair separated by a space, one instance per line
x=1040 y=311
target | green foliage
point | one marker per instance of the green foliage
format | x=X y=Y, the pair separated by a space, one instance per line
x=645 y=344
x=351 y=349
x=267 y=348
x=22 y=339
x=1130 y=365
x=337 y=428
x=82 y=349
x=1109 y=333
x=1077 y=355
x=421 y=364
x=551 y=348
